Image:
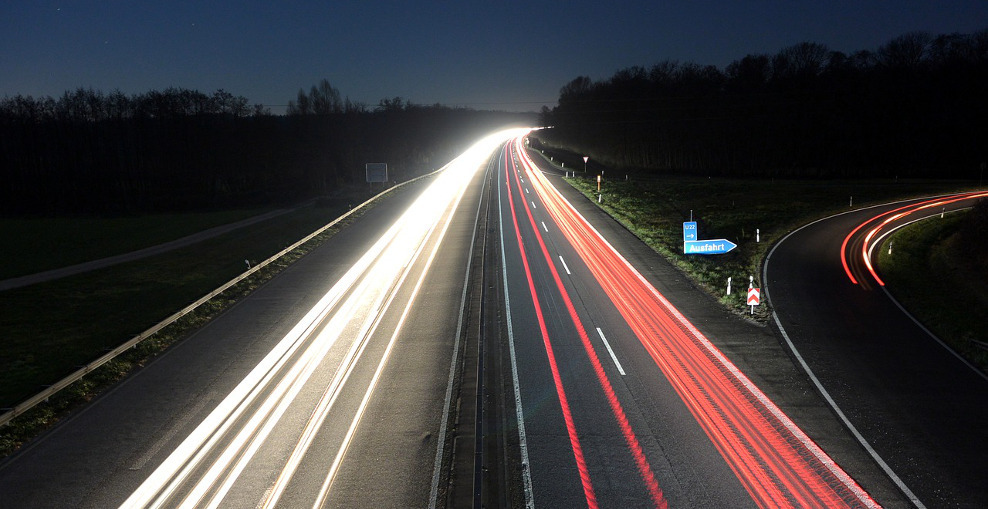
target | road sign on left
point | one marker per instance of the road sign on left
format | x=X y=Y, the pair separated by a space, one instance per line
x=376 y=172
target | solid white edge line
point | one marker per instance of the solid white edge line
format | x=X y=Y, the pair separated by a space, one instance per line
x=526 y=473
x=812 y=446
x=564 y=264
x=878 y=242
x=437 y=470
x=819 y=385
x=331 y=475
x=613 y=357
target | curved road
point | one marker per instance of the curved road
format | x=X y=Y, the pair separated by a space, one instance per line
x=922 y=409
x=630 y=402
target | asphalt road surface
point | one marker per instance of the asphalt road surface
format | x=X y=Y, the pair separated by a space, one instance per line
x=486 y=337
x=328 y=386
x=921 y=408
x=632 y=384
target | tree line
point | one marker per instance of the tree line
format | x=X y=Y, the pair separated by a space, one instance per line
x=89 y=152
x=914 y=107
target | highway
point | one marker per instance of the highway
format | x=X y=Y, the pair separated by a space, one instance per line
x=920 y=408
x=327 y=387
x=484 y=337
x=626 y=403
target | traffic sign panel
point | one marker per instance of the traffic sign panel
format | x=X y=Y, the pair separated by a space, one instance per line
x=754 y=295
x=714 y=246
x=689 y=231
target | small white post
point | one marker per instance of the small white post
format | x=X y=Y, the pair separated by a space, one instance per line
x=942 y=211
x=758 y=235
x=728 y=285
x=890 y=247
x=851 y=203
x=248 y=264
x=600 y=198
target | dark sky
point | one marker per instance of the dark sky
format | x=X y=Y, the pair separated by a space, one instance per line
x=481 y=54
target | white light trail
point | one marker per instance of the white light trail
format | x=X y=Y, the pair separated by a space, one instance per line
x=225 y=442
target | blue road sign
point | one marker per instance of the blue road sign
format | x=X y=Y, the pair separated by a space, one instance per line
x=715 y=246
x=689 y=231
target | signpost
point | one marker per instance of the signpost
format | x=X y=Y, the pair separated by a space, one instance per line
x=689 y=231
x=754 y=296
x=376 y=172
x=712 y=246
x=691 y=244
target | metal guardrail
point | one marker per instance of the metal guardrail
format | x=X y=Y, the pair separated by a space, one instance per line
x=50 y=390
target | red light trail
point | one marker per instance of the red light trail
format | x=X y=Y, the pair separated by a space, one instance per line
x=775 y=461
x=631 y=439
x=574 y=438
x=886 y=219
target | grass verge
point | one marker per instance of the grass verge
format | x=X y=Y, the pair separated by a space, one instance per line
x=751 y=213
x=930 y=272
x=51 y=328
x=51 y=243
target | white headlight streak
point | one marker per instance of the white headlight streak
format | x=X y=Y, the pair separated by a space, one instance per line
x=203 y=469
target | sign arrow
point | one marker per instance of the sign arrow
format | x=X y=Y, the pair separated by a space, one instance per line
x=713 y=246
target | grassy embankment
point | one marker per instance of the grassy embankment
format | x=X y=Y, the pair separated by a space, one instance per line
x=737 y=210
x=49 y=329
x=39 y=244
x=936 y=273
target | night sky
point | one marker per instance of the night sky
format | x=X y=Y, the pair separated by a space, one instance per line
x=480 y=54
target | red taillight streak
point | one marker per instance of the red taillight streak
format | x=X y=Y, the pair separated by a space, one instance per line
x=644 y=469
x=915 y=207
x=709 y=388
x=557 y=379
x=574 y=438
x=775 y=461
